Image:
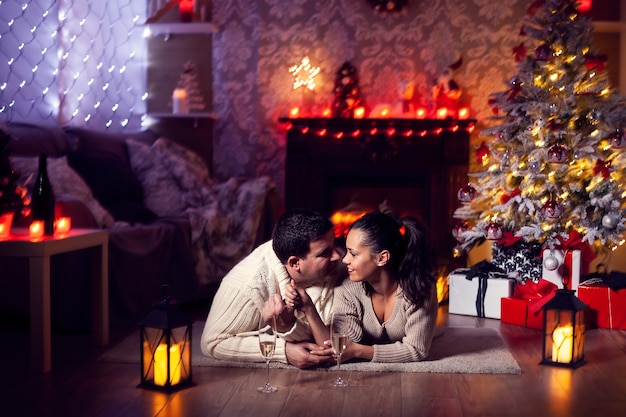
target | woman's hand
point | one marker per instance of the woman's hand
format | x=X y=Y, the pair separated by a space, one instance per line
x=275 y=307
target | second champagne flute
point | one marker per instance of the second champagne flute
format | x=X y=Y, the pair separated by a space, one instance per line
x=267 y=344
x=338 y=340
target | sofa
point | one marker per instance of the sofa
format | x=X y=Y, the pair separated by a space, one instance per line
x=169 y=222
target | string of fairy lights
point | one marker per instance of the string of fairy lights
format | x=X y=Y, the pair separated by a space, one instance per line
x=73 y=62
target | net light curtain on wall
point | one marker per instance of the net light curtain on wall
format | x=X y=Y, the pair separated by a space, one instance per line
x=73 y=62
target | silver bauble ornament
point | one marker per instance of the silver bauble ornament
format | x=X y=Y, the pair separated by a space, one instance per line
x=550 y=263
x=609 y=221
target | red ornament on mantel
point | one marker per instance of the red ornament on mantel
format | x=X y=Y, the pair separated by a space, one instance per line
x=584 y=6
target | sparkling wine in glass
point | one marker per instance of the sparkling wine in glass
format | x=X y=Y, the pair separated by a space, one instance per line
x=338 y=341
x=267 y=344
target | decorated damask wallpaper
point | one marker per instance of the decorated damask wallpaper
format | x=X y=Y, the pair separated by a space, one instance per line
x=260 y=39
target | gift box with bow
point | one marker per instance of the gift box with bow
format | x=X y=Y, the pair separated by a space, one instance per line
x=516 y=256
x=523 y=308
x=572 y=257
x=607 y=305
x=477 y=291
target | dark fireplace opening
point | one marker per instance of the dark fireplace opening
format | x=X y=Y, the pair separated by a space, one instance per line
x=361 y=194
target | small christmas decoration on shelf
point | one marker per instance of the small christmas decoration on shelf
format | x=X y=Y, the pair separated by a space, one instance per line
x=304 y=75
x=187 y=96
x=556 y=164
x=347 y=92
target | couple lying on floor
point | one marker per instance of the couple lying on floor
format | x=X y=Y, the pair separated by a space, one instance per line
x=299 y=279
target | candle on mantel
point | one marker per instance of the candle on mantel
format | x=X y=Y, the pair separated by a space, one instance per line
x=294 y=112
x=420 y=113
x=35 y=230
x=442 y=113
x=563 y=344
x=160 y=365
x=63 y=225
x=185 y=7
x=463 y=113
x=179 y=101
x=359 y=112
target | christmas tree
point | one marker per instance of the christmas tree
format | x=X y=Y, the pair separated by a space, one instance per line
x=347 y=92
x=554 y=165
x=10 y=192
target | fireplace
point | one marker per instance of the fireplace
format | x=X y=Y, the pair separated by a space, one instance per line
x=411 y=166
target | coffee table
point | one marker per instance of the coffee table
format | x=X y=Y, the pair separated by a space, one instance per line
x=38 y=252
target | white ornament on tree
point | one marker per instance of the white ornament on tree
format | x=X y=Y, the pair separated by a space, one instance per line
x=551 y=263
x=609 y=221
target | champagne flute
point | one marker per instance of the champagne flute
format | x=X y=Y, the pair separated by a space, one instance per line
x=338 y=341
x=267 y=344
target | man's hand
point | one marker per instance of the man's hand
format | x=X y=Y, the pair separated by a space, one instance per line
x=307 y=354
x=275 y=307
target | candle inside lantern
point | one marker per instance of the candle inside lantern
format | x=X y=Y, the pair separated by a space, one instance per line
x=185 y=7
x=294 y=112
x=463 y=113
x=562 y=344
x=442 y=113
x=359 y=112
x=63 y=224
x=160 y=365
x=179 y=101
x=327 y=112
x=420 y=113
x=35 y=230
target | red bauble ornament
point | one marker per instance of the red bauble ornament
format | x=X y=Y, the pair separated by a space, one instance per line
x=617 y=139
x=482 y=153
x=543 y=53
x=552 y=210
x=557 y=154
x=494 y=231
x=466 y=193
x=458 y=229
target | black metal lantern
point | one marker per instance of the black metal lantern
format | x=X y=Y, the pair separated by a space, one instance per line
x=165 y=348
x=564 y=330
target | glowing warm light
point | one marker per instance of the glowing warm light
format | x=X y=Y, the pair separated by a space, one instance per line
x=304 y=74
x=563 y=344
x=5 y=224
x=327 y=112
x=185 y=7
x=584 y=5
x=35 y=230
x=342 y=220
x=63 y=225
x=294 y=112
x=442 y=113
x=420 y=113
x=386 y=112
x=160 y=365
x=463 y=113
x=359 y=112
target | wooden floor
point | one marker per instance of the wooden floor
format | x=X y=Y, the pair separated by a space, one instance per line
x=81 y=386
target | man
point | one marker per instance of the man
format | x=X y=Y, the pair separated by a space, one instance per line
x=301 y=254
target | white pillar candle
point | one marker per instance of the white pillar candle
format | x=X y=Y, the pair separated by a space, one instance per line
x=179 y=101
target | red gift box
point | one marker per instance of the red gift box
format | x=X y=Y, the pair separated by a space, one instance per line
x=607 y=307
x=524 y=307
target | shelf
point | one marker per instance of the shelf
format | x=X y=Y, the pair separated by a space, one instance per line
x=198 y=115
x=191 y=28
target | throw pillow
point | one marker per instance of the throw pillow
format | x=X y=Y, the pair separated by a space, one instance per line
x=160 y=192
x=65 y=182
x=101 y=159
x=188 y=169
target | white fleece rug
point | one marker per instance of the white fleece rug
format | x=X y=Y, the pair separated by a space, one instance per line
x=459 y=350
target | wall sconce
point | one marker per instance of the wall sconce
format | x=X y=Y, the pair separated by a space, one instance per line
x=564 y=330
x=165 y=340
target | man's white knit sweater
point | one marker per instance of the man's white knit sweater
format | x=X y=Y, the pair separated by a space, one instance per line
x=231 y=329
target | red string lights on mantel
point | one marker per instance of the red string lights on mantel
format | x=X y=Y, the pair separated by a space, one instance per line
x=344 y=128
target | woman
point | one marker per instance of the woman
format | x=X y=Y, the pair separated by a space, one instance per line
x=390 y=298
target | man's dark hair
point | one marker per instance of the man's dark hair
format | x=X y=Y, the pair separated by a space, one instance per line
x=295 y=229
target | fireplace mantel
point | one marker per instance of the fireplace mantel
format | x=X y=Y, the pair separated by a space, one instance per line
x=423 y=162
